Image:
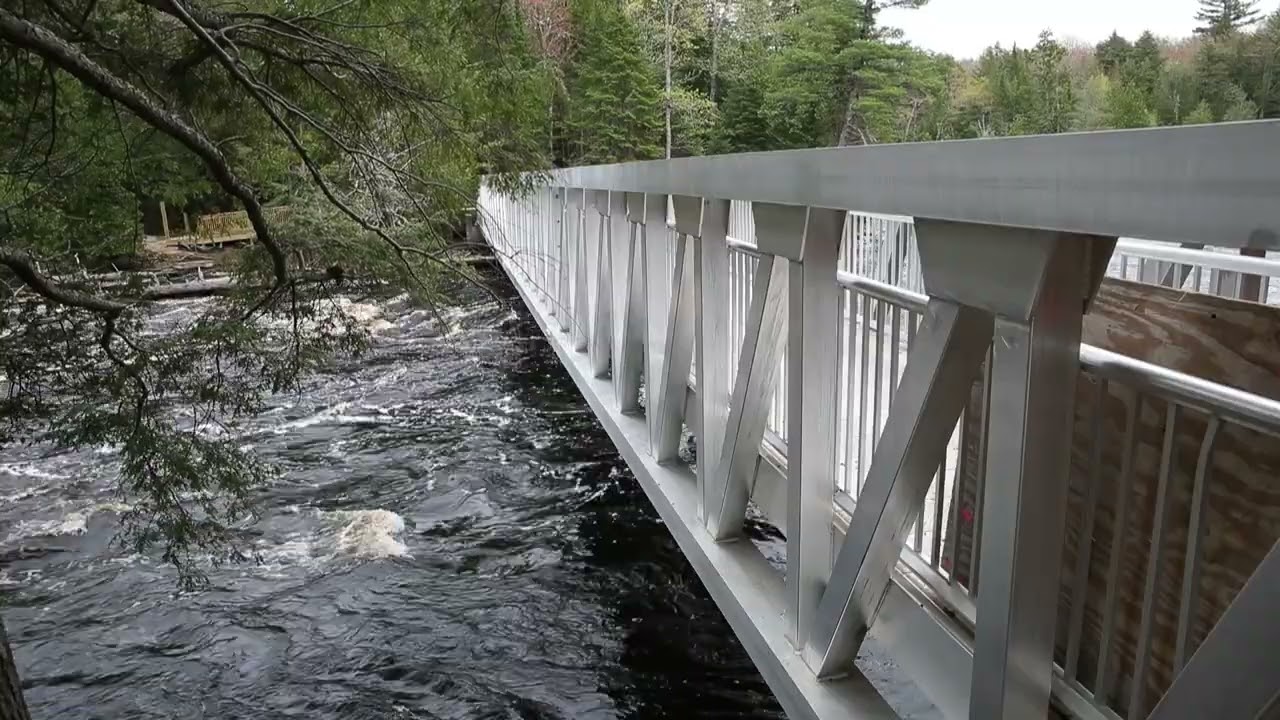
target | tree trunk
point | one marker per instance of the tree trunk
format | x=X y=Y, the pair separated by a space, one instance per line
x=715 y=48
x=12 y=704
x=848 y=127
x=670 y=22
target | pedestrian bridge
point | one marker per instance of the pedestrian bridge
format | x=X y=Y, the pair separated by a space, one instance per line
x=879 y=351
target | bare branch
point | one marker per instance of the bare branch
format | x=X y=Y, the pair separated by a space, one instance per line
x=21 y=266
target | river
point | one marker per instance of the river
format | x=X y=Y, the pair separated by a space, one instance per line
x=452 y=536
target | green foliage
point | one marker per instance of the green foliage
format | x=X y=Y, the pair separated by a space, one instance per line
x=1200 y=115
x=1223 y=17
x=1112 y=53
x=1126 y=107
x=615 y=113
x=1238 y=106
x=695 y=122
x=372 y=121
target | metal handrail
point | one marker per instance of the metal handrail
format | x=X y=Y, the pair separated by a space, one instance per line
x=1203 y=258
x=1129 y=183
x=1239 y=406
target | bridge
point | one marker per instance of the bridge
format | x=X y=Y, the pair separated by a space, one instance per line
x=881 y=352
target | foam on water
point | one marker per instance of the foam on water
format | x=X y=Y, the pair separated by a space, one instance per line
x=73 y=523
x=368 y=534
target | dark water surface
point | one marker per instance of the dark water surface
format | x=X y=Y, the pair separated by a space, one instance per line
x=453 y=537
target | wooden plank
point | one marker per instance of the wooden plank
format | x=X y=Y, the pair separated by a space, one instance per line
x=1228 y=341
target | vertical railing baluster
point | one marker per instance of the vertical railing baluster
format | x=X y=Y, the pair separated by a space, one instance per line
x=1142 y=667
x=1119 y=524
x=1190 y=602
x=864 y=442
x=877 y=389
x=1084 y=546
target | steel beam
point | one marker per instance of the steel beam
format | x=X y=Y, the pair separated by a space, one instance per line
x=728 y=488
x=628 y=299
x=948 y=352
x=1234 y=673
x=581 y=272
x=1213 y=184
x=564 y=308
x=812 y=373
x=601 y=317
x=659 y=271
x=1033 y=382
x=711 y=332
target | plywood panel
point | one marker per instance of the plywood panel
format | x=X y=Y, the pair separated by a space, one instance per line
x=1228 y=341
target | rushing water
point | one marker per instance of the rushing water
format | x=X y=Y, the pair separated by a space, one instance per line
x=453 y=536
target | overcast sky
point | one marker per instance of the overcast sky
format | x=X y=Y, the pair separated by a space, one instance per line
x=964 y=28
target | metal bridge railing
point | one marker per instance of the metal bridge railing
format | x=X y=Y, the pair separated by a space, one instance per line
x=924 y=452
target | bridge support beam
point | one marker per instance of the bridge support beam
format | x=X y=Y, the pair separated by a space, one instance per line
x=812 y=373
x=711 y=331
x=581 y=305
x=601 y=319
x=627 y=211
x=659 y=276
x=949 y=348
x=564 y=240
x=1233 y=673
x=730 y=476
x=1032 y=288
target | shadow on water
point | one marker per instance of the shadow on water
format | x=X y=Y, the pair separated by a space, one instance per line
x=679 y=657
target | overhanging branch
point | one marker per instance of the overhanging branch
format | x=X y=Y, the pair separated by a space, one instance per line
x=48 y=45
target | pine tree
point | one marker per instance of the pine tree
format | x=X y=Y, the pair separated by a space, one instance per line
x=743 y=128
x=1112 y=53
x=615 y=106
x=1223 y=17
x=1055 y=101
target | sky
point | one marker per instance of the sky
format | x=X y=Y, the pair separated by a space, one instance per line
x=964 y=28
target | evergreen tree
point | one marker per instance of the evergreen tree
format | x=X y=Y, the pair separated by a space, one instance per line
x=1142 y=68
x=1223 y=17
x=615 y=111
x=744 y=128
x=1054 y=105
x=1112 y=53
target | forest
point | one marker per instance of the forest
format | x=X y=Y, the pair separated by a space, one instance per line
x=353 y=135
x=744 y=75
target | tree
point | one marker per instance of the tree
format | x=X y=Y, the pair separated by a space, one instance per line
x=1143 y=66
x=877 y=72
x=1054 y=105
x=1095 y=97
x=549 y=29
x=1238 y=106
x=1112 y=53
x=1126 y=107
x=1223 y=17
x=616 y=109
x=1176 y=93
x=106 y=106
x=1200 y=115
